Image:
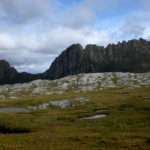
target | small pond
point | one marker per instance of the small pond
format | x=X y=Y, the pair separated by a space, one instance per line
x=94 y=117
x=14 y=110
x=97 y=115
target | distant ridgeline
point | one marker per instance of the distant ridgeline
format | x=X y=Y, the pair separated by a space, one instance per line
x=9 y=75
x=131 y=56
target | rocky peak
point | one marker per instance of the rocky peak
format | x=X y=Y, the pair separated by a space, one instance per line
x=66 y=63
x=4 y=63
x=9 y=75
x=75 y=47
x=131 y=56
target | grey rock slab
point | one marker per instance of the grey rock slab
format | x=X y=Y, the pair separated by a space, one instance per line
x=62 y=104
x=80 y=82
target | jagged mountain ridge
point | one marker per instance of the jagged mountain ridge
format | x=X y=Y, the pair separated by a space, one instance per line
x=131 y=56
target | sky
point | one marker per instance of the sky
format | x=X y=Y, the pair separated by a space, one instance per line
x=34 y=32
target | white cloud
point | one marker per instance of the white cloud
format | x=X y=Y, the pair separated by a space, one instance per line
x=38 y=30
x=86 y=11
x=21 y=11
x=25 y=52
x=6 y=41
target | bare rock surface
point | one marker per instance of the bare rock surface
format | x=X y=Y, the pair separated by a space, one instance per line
x=80 y=82
x=60 y=103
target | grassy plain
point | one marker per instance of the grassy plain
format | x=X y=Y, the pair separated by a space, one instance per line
x=127 y=127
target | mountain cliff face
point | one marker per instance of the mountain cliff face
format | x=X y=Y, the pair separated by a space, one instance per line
x=131 y=56
x=67 y=63
x=9 y=75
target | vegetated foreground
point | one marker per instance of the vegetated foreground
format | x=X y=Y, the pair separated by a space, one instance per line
x=125 y=127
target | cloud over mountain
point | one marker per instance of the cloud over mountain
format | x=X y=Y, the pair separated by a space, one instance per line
x=35 y=31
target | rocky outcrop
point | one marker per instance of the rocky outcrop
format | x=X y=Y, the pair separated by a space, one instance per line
x=67 y=63
x=9 y=75
x=131 y=56
x=80 y=82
